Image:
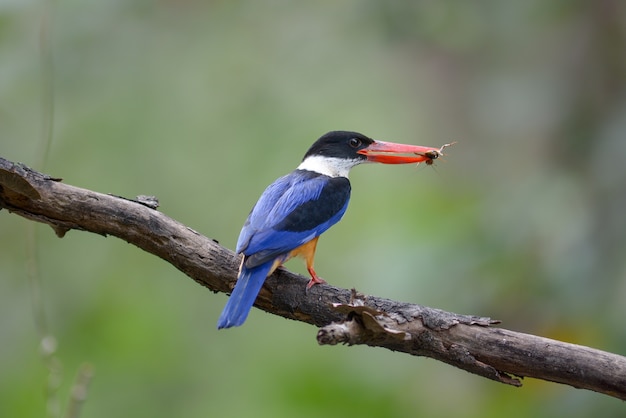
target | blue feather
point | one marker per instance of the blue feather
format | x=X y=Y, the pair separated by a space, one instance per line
x=244 y=294
x=289 y=213
x=277 y=201
x=292 y=211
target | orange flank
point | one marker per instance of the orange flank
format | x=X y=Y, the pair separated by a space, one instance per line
x=307 y=252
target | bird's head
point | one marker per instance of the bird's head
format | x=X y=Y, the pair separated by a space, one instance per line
x=336 y=152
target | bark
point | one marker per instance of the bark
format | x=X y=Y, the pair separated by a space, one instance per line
x=468 y=342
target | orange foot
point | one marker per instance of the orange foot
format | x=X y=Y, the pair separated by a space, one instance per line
x=315 y=279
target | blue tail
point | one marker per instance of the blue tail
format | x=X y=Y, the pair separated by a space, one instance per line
x=244 y=294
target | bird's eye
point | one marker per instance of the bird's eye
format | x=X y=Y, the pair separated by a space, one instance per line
x=355 y=142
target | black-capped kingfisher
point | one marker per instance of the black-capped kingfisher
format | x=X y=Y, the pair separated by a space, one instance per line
x=296 y=209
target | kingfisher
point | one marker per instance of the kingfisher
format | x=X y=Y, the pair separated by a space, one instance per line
x=296 y=209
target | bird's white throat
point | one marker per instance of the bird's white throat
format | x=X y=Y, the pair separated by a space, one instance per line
x=329 y=166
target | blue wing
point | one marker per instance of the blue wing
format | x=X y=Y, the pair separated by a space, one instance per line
x=292 y=211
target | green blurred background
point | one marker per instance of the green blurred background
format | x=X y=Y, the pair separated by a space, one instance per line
x=204 y=103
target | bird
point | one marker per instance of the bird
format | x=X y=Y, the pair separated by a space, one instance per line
x=297 y=208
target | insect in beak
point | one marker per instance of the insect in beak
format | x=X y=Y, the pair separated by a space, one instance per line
x=434 y=154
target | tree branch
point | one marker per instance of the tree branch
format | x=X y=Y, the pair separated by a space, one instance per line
x=467 y=342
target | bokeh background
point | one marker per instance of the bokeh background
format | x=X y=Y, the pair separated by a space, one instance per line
x=204 y=103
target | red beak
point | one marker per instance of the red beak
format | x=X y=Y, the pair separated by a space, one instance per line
x=386 y=153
